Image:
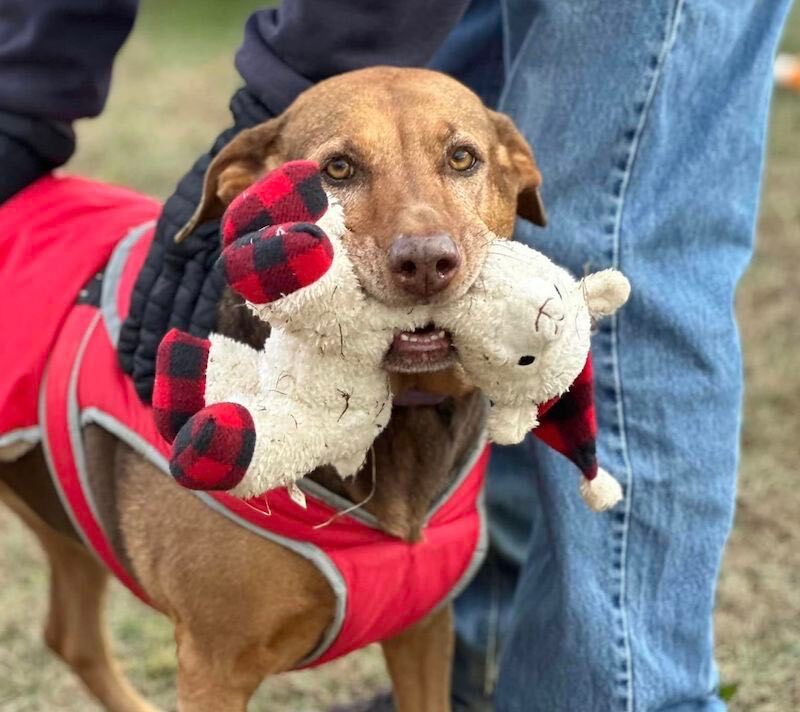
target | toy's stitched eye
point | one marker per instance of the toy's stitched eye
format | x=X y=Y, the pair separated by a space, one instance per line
x=462 y=159
x=339 y=168
x=526 y=360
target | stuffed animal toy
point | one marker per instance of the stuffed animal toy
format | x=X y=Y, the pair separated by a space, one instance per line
x=248 y=421
x=315 y=394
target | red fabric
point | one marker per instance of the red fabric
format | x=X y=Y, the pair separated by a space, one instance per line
x=58 y=438
x=390 y=583
x=50 y=246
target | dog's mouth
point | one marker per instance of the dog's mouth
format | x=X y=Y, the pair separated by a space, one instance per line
x=427 y=349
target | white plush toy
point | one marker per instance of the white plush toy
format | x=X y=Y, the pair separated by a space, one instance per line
x=317 y=394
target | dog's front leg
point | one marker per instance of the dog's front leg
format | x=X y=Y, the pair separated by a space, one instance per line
x=216 y=674
x=419 y=661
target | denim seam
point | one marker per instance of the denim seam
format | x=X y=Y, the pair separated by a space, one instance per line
x=511 y=70
x=506 y=45
x=622 y=523
x=492 y=634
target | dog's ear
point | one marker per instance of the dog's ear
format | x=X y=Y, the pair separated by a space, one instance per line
x=523 y=164
x=240 y=164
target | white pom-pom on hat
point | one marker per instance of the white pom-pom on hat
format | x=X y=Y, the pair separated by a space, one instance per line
x=602 y=492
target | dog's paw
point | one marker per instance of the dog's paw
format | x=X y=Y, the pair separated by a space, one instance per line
x=291 y=193
x=180 y=382
x=272 y=263
x=214 y=448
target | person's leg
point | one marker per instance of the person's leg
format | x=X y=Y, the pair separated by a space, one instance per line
x=648 y=120
x=475 y=53
x=483 y=610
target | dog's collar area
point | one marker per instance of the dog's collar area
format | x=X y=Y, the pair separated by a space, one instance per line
x=416 y=398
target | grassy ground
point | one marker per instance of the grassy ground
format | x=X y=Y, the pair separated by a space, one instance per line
x=150 y=134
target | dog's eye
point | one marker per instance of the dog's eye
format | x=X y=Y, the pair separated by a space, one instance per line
x=339 y=168
x=526 y=360
x=462 y=159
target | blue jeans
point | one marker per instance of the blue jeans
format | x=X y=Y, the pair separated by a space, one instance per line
x=648 y=120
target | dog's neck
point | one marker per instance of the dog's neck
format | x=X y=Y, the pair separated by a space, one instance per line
x=415 y=457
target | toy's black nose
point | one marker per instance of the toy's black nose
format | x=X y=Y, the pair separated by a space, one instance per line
x=423 y=266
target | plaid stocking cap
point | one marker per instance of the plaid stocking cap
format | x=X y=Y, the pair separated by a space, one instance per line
x=568 y=424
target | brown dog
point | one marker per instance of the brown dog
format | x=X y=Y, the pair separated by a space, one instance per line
x=425 y=173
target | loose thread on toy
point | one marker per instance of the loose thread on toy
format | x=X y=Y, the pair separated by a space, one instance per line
x=360 y=504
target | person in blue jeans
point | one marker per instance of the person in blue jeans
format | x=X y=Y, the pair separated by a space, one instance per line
x=649 y=124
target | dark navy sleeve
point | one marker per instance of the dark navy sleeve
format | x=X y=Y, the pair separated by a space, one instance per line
x=55 y=66
x=289 y=48
x=56 y=55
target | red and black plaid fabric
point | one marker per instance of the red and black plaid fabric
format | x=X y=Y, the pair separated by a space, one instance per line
x=213 y=449
x=276 y=261
x=180 y=383
x=291 y=193
x=569 y=424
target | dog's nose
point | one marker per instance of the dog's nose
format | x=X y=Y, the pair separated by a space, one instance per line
x=424 y=266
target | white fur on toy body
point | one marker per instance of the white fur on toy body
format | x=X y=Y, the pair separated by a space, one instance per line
x=307 y=411
x=316 y=392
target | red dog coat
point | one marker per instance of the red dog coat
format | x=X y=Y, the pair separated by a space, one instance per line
x=59 y=372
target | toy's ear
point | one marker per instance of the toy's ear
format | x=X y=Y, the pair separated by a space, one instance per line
x=605 y=292
x=247 y=157
x=523 y=165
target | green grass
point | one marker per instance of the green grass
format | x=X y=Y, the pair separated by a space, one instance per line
x=149 y=135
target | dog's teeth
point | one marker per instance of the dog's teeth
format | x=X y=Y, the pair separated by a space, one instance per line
x=405 y=337
x=440 y=335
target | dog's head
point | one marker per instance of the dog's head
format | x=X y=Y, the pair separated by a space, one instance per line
x=426 y=174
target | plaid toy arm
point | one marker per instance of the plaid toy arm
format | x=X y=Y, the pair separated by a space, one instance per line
x=213 y=449
x=180 y=381
x=274 y=262
x=292 y=193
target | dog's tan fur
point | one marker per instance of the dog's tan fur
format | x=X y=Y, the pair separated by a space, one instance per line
x=254 y=608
